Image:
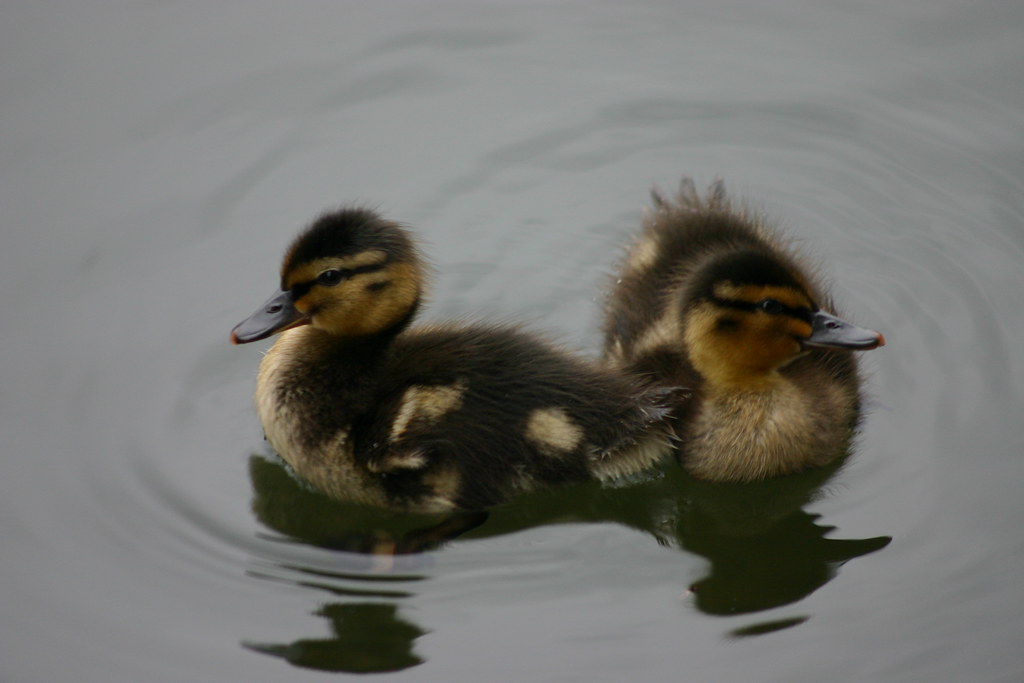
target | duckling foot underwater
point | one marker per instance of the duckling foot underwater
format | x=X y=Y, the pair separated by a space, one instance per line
x=435 y=418
x=709 y=297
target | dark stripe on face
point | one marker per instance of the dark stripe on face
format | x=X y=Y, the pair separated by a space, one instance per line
x=770 y=306
x=302 y=288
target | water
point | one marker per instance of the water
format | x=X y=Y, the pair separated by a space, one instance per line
x=157 y=157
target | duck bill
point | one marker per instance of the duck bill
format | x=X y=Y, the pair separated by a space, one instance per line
x=830 y=332
x=276 y=315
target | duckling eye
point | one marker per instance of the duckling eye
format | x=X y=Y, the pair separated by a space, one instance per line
x=771 y=306
x=329 y=277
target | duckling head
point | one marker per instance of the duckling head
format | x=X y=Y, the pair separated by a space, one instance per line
x=748 y=314
x=349 y=274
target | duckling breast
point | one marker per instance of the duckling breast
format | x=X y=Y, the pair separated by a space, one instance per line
x=297 y=407
x=750 y=435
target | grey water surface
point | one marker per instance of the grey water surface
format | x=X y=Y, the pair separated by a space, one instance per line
x=156 y=157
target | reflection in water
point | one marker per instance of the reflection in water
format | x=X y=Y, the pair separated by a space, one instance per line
x=366 y=637
x=367 y=633
x=299 y=512
x=763 y=549
x=756 y=572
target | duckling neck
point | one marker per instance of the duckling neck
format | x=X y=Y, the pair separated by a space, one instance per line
x=358 y=353
x=308 y=369
x=354 y=355
x=743 y=381
x=311 y=370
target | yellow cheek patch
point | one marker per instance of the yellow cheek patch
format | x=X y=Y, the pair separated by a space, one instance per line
x=364 y=304
x=744 y=354
x=305 y=304
x=797 y=328
x=369 y=309
x=752 y=294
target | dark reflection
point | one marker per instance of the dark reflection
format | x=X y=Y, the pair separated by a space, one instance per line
x=365 y=638
x=763 y=549
x=367 y=634
x=768 y=627
x=291 y=508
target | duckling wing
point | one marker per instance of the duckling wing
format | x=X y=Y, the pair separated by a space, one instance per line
x=644 y=436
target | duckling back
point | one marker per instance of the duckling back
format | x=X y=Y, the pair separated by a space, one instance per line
x=709 y=298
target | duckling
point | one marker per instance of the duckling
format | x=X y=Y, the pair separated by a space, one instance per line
x=709 y=298
x=429 y=419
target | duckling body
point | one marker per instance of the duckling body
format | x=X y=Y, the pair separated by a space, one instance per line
x=710 y=299
x=434 y=418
